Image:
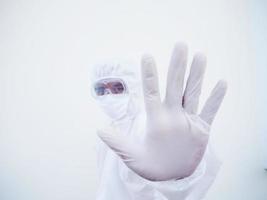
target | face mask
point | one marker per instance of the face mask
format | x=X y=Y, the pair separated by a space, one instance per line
x=115 y=106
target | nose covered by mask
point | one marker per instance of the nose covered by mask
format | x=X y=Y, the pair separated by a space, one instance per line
x=115 y=106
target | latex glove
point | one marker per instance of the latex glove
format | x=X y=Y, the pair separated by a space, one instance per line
x=175 y=136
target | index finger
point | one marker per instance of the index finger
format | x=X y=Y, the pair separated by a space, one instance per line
x=150 y=84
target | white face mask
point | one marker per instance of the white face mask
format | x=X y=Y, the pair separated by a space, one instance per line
x=115 y=106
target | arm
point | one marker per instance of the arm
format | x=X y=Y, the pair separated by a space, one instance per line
x=176 y=135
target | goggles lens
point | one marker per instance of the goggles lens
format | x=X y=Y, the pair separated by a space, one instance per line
x=112 y=86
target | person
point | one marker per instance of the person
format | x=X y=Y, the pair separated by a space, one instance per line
x=156 y=150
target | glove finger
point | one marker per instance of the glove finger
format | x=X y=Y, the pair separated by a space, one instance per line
x=213 y=103
x=118 y=142
x=194 y=83
x=150 y=84
x=176 y=73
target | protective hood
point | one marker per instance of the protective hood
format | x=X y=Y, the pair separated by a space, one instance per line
x=120 y=106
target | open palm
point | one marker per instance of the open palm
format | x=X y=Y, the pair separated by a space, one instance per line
x=176 y=136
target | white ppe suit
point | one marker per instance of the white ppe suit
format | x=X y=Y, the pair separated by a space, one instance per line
x=116 y=180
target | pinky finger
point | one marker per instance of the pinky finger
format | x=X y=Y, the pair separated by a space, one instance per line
x=213 y=103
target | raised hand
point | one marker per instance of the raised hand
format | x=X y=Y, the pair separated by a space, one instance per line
x=176 y=136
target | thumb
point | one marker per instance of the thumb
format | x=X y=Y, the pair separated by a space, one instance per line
x=118 y=142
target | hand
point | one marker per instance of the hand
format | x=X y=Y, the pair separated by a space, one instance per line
x=176 y=136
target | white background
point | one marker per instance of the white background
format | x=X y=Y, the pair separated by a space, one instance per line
x=48 y=119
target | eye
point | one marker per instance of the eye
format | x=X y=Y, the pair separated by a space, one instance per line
x=117 y=88
x=100 y=89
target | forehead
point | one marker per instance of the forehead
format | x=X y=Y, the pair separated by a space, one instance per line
x=108 y=80
x=125 y=69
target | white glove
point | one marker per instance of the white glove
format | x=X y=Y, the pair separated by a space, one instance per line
x=175 y=136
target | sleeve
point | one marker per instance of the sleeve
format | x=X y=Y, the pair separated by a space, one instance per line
x=193 y=187
x=101 y=150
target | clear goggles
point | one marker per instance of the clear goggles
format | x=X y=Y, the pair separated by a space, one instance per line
x=109 y=86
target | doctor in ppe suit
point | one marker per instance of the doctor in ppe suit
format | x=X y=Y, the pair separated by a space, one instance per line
x=159 y=149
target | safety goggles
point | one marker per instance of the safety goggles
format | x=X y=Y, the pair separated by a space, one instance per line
x=109 y=86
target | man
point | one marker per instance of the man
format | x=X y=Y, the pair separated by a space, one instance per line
x=159 y=151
